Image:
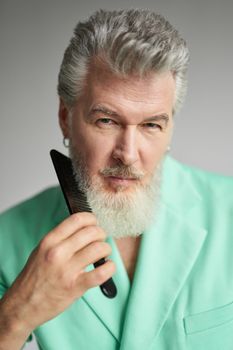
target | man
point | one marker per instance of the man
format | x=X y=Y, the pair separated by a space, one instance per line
x=166 y=227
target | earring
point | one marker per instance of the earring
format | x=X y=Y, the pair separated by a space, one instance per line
x=66 y=142
x=168 y=149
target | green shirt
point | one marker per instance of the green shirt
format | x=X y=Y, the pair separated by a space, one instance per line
x=181 y=297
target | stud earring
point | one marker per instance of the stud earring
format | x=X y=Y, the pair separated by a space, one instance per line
x=66 y=142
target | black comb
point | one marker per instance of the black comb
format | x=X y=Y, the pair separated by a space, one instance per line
x=77 y=202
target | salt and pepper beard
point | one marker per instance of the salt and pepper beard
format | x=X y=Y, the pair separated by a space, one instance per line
x=120 y=213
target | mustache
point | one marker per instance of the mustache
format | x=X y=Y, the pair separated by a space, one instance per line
x=123 y=171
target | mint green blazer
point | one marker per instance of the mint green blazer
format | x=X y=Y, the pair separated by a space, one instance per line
x=181 y=297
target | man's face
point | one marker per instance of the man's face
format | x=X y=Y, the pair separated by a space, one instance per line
x=120 y=129
x=127 y=122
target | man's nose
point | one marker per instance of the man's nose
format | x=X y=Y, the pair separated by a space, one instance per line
x=126 y=147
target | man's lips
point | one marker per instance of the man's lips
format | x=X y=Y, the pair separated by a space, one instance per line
x=121 y=179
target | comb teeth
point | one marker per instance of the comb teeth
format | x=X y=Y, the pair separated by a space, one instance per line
x=79 y=202
x=75 y=199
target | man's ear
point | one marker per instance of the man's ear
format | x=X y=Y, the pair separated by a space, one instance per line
x=63 y=114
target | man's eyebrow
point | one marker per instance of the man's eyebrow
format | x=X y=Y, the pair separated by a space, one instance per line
x=102 y=109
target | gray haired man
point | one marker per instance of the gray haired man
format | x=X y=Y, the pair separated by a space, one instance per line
x=122 y=79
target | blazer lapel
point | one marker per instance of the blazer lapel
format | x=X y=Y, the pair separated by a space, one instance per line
x=111 y=312
x=167 y=254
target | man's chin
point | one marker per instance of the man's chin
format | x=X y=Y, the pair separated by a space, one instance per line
x=119 y=189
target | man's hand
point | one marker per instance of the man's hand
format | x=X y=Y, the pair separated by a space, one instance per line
x=54 y=276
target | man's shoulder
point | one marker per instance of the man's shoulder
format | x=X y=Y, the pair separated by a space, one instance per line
x=35 y=215
x=34 y=204
x=204 y=181
x=184 y=186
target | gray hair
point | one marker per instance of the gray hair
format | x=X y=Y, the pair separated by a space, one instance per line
x=131 y=41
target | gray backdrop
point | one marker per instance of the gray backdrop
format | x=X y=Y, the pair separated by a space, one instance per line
x=33 y=36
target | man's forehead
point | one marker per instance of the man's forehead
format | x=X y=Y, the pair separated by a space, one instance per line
x=99 y=71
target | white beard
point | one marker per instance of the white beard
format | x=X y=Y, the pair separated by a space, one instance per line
x=120 y=214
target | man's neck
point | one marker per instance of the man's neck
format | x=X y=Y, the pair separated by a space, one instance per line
x=128 y=248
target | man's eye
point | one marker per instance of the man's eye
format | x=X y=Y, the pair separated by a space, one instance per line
x=105 y=122
x=152 y=126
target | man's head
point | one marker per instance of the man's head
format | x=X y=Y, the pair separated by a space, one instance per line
x=122 y=77
x=130 y=42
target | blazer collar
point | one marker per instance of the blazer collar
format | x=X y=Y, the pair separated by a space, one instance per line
x=111 y=312
x=167 y=254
